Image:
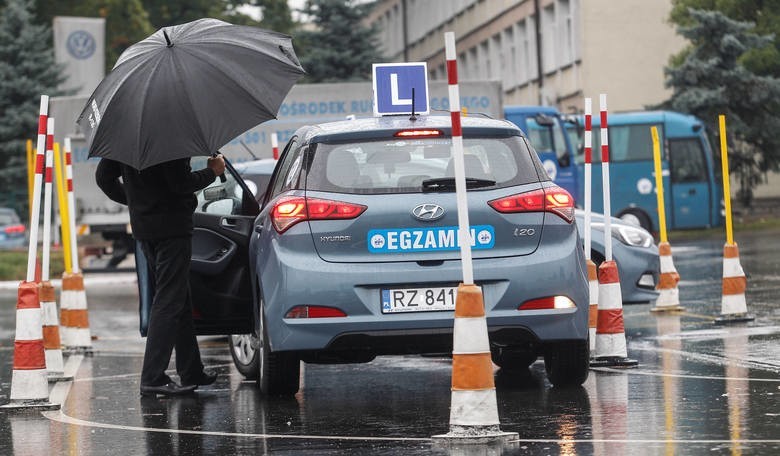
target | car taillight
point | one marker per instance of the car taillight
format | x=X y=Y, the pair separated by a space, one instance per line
x=293 y=209
x=551 y=199
x=550 y=302
x=314 y=312
x=14 y=229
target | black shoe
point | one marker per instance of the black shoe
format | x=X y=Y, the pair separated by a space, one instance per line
x=207 y=377
x=169 y=389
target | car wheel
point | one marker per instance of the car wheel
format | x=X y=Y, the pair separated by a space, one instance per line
x=277 y=373
x=567 y=363
x=513 y=359
x=244 y=353
x=637 y=217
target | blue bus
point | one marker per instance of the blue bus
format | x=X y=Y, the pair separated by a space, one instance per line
x=692 y=181
x=546 y=130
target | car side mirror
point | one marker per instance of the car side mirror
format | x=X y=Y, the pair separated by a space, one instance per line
x=215 y=193
x=564 y=161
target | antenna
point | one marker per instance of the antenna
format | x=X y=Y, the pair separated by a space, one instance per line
x=413 y=117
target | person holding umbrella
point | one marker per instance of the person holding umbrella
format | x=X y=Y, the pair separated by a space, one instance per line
x=184 y=91
x=161 y=201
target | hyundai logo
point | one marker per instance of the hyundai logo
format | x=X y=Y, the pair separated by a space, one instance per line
x=428 y=212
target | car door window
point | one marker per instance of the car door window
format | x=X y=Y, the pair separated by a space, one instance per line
x=288 y=173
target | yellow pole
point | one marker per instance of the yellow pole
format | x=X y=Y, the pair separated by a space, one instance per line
x=724 y=158
x=659 y=184
x=30 y=173
x=64 y=220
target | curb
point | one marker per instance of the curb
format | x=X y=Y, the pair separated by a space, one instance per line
x=120 y=278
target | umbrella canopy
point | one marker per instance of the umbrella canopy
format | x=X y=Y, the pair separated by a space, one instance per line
x=188 y=90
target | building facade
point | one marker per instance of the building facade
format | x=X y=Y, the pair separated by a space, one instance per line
x=583 y=47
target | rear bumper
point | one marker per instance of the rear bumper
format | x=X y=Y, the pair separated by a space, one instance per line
x=355 y=288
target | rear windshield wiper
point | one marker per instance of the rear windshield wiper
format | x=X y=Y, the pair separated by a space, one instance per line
x=448 y=183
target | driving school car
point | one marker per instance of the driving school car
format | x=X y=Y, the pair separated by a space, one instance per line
x=355 y=252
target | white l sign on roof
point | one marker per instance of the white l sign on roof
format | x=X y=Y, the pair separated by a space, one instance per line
x=393 y=84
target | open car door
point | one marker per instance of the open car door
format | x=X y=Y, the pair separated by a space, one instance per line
x=220 y=278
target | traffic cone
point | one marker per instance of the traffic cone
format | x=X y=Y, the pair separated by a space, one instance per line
x=610 y=332
x=29 y=386
x=74 y=315
x=52 y=346
x=593 y=308
x=668 y=294
x=474 y=410
x=733 y=305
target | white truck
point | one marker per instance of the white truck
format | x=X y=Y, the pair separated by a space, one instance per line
x=305 y=104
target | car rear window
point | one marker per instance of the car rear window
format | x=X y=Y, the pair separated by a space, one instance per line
x=401 y=165
x=8 y=218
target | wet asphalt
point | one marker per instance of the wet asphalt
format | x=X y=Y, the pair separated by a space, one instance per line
x=699 y=388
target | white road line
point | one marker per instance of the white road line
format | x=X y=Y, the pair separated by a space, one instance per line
x=665 y=374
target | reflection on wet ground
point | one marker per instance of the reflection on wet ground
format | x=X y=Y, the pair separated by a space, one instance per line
x=700 y=389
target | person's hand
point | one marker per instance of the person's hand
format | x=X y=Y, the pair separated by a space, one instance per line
x=217 y=164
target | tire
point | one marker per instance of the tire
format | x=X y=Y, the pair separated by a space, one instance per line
x=637 y=217
x=244 y=353
x=278 y=374
x=567 y=363
x=513 y=359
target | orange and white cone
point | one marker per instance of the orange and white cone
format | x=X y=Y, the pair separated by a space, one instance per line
x=52 y=346
x=668 y=293
x=29 y=385
x=593 y=308
x=610 y=332
x=74 y=315
x=733 y=304
x=473 y=410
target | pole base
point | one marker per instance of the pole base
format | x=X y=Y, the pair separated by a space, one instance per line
x=475 y=435
x=614 y=361
x=661 y=309
x=733 y=318
x=58 y=377
x=30 y=406
x=86 y=351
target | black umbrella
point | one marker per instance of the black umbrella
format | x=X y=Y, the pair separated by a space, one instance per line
x=187 y=90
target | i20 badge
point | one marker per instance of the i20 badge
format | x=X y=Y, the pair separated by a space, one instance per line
x=428 y=212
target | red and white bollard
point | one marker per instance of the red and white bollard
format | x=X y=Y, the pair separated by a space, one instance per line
x=474 y=409
x=593 y=279
x=610 y=333
x=51 y=326
x=29 y=385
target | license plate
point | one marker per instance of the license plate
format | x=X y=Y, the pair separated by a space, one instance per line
x=401 y=300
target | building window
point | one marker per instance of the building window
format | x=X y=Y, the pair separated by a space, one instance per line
x=509 y=61
x=549 y=32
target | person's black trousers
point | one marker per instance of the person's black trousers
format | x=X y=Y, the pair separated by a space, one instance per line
x=170 y=320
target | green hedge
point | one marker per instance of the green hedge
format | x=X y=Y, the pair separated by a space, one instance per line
x=13 y=264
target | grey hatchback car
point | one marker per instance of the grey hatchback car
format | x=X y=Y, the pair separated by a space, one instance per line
x=354 y=252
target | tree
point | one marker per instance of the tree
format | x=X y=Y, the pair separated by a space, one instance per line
x=765 y=14
x=709 y=79
x=341 y=48
x=27 y=70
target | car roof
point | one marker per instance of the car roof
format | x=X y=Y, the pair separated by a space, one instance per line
x=386 y=127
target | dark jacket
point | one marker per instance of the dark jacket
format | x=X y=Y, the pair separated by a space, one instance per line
x=160 y=198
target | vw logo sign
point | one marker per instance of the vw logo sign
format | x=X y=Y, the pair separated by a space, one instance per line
x=81 y=44
x=428 y=212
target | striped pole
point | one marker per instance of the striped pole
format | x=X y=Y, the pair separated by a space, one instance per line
x=74 y=258
x=593 y=279
x=610 y=332
x=668 y=294
x=473 y=410
x=29 y=386
x=733 y=303
x=32 y=251
x=275 y=145
x=30 y=174
x=51 y=326
x=62 y=203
